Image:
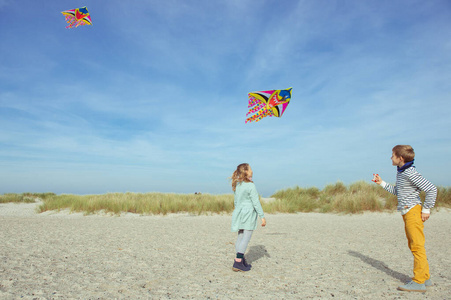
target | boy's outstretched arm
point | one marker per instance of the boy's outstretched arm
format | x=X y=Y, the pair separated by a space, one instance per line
x=388 y=187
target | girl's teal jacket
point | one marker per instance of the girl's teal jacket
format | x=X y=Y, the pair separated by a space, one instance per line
x=247 y=207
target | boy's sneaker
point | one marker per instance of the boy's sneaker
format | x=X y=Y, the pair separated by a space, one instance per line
x=412 y=286
x=426 y=283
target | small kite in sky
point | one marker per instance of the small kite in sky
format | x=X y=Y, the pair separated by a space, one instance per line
x=267 y=104
x=77 y=17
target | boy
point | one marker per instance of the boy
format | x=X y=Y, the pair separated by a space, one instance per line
x=408 y=185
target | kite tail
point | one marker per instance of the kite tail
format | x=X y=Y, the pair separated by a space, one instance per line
x=73 y=22
x=253 y=101
x=255 y=109
x=260 y=115
x=254 y=105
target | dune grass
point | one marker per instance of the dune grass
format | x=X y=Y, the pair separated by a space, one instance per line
x=144 y=204
x=334 y=198
x=339 y=198
x=24 y=198
x=443 y=197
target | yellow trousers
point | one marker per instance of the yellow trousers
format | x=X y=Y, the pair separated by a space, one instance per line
x=415 y=237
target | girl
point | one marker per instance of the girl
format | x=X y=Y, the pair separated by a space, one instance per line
x=244 y=217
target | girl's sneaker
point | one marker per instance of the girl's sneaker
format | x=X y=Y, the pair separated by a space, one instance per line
x=240 y=267
x=246 y=264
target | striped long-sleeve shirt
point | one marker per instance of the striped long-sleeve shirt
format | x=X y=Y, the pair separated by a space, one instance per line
x=409 y=183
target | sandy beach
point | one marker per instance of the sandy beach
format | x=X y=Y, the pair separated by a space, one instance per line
x=297 y=256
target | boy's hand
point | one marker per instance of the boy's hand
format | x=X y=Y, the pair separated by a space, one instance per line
x=263 y=222
x=425 y=217
x=377 y=179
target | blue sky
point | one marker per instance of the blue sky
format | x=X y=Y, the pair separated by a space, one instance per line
x=153 y=96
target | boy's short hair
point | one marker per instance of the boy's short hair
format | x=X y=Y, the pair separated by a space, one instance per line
x=404 y=151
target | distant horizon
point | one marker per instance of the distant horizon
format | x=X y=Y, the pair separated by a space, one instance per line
x=156 y=100
x=188 y=193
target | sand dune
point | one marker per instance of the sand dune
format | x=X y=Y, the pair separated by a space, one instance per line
x=297 y=256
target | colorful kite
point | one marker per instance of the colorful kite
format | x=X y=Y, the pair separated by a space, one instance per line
x=267 y=104
x=77 y=17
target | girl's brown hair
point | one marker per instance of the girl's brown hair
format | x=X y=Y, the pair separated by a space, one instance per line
x=404 y=151
x=240 y=175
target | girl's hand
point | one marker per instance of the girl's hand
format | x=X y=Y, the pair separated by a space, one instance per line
x=263 y=222
x=377 y=179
